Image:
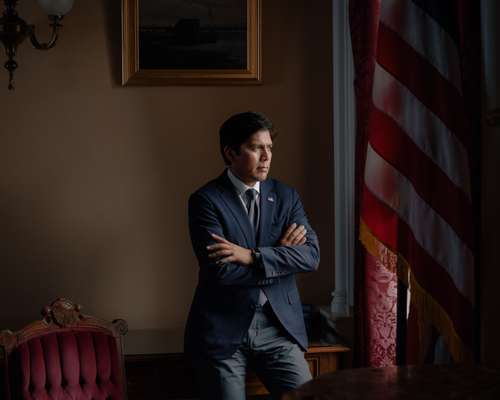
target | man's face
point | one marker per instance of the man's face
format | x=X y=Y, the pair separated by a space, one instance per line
x=253 y=161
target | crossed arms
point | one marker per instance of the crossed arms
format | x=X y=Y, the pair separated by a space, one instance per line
x=297 y=249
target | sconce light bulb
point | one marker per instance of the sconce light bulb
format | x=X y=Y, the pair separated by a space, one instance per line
x=56 y=7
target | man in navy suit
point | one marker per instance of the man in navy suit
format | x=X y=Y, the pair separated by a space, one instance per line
x=251 y=236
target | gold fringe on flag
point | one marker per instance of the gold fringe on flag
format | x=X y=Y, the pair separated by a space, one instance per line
x=427 y=306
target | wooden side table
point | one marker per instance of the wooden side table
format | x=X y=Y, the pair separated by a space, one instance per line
x=157 y=368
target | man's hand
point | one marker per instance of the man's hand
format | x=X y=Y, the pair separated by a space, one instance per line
x=225 y=252
x=294 y=236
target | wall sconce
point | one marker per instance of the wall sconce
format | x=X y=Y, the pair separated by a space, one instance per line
x=14 y=30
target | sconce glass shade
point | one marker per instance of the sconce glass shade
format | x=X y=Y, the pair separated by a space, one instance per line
x=56 y=7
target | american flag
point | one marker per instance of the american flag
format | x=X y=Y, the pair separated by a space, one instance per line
x=416 y=201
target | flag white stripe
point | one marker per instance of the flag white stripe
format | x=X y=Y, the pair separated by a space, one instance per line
x=431 y=231
x=424 y=128
x=425 y=36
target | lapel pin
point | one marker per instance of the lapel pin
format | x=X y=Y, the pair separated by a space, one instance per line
x=270 y=199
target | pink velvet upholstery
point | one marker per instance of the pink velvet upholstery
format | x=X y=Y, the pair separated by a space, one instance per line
x=70 y=364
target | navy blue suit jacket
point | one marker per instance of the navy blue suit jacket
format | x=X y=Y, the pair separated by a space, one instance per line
x=225 y=297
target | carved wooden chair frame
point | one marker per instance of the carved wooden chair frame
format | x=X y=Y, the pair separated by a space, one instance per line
x=62 y=314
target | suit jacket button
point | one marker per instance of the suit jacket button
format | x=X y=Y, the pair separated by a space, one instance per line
x=253 y=306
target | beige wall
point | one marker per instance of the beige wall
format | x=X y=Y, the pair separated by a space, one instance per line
x=94 y=177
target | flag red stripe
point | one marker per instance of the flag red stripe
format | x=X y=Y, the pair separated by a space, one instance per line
x=381 y=220
x=449 y=201
x=430 y=275
x=422 y=79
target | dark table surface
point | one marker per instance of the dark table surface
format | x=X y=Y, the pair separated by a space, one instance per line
x=409 y=383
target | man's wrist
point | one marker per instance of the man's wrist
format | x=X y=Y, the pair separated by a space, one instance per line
x=256 y=257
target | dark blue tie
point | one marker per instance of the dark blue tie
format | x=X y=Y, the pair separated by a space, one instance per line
x=253 y=216
x=252 y=209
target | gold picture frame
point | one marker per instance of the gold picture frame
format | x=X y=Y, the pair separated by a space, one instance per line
x=133 y=73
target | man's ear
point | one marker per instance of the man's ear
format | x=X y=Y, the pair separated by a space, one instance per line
x=229 y=153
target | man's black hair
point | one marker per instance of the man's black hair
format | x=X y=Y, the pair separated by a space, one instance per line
x=238 y=128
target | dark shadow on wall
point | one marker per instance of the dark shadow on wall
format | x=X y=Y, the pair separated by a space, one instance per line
x=112 y=14
x=318 y=140
x=275 y=50
x=35 y=262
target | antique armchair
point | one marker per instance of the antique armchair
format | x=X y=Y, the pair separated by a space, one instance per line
x=66 y=355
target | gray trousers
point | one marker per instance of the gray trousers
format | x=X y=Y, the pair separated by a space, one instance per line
x=277 y=361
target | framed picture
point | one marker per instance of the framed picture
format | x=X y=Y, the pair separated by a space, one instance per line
x=197 y=42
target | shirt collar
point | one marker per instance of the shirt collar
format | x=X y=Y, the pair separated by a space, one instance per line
x=241 y=187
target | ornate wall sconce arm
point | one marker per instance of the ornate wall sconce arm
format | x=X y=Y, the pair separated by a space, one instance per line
x=14 y=30
x=55 y=27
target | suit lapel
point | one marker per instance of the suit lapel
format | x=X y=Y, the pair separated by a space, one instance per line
x=233 y=203
x=267 y=205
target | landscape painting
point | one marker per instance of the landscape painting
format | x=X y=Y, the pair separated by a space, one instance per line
x=191 y=42
x=199 y=34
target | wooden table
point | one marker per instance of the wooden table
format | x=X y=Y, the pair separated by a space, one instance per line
x=408 y=383
x=157 y=368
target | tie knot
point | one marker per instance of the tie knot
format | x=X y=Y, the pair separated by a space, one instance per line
x=251 y=194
